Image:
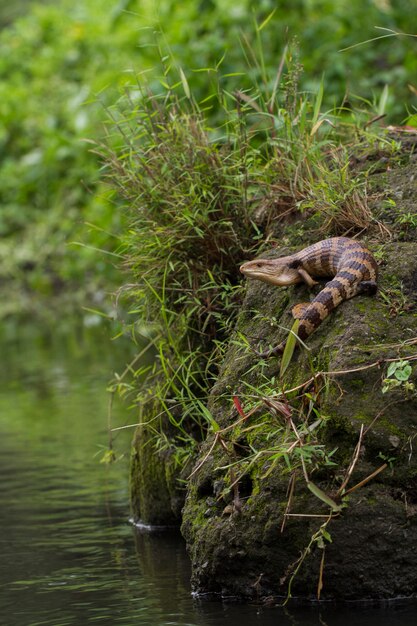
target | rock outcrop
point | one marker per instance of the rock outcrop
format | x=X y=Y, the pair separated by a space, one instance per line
x=247 y=552
x=258 y=517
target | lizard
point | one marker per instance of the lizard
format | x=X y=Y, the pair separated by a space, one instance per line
x=352 y=266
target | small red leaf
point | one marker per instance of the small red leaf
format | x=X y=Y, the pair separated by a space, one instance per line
x=238 y=406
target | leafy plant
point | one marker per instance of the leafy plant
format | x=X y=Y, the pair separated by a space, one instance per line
x=407 y=219
x=398 y=375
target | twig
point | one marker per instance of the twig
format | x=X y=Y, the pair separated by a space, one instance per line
x=307 y=515
x=320 y=582
x=353 y=462
x=411 y=357
x=277 y=79
x=375 y=119
x=200 y=465
x=290 y=495
x=367 y=479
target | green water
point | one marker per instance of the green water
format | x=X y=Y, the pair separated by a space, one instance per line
x=68 y=554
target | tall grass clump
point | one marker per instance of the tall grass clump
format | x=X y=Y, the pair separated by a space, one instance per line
x=188 y=194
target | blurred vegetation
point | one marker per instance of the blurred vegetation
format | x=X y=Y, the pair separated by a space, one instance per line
x=9 y=11
x=54 y=62
x=63 y=64
x=201 y=33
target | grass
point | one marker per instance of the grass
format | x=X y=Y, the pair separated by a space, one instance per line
x=189 y=218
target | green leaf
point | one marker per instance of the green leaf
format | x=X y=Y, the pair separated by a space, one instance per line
x=404 y=373
x=383 y=100
x=412 y=120
x=289 y=348
x=266 y=20
x=314 y=425
x=392 y=367
x=317 y=104
x=185 y=84
x=323 y=497
x=108 y=457
x=390 y=383
x=208 y=416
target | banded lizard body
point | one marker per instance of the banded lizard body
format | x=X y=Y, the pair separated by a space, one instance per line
x=352 y=266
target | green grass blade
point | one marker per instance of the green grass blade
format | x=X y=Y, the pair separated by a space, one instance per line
x=323 y=497
x=185 y=84
x=382 y=104
x=289 y=348
x=208 y=416
x=266 y=20
x=319 y=100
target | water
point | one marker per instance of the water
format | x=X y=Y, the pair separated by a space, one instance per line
x=68 y=554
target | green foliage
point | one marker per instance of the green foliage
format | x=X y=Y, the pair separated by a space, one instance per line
x=398 y=375
x=276 y=440
x=10 y=11
x=187 y=192
x=290 y=346
x=199 y=34
x=187 y=200
x=54 y=62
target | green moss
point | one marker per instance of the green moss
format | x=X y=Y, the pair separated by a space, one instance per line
x=357 y=382
x=363 y=418
x=390 y=427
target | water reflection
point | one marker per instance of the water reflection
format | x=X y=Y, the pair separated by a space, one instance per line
x=68 y=554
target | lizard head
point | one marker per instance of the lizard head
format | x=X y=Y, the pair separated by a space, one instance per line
x=273 y=271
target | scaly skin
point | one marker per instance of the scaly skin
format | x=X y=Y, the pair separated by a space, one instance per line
x=352 y=266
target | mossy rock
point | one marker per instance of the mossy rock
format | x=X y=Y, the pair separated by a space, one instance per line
x=246 y=551
x=157 y=496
